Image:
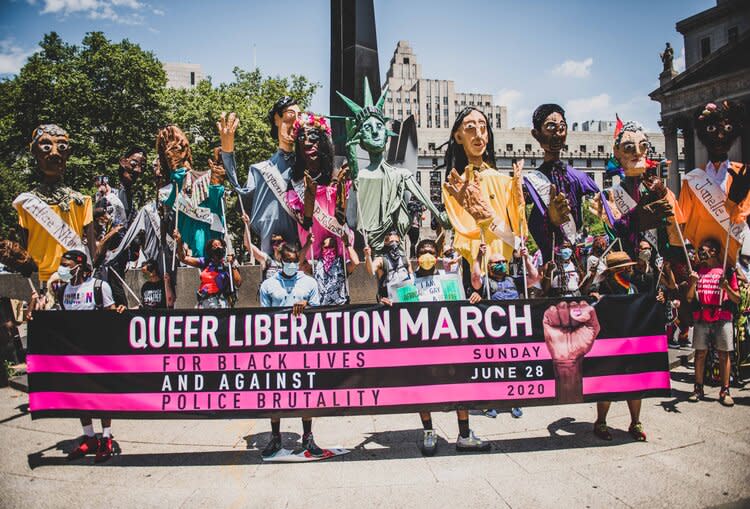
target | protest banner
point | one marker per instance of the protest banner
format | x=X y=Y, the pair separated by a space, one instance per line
x=345 y=360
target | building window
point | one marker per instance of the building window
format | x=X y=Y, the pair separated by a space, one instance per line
x=582 y=148
x=600 y=148
x=498 y=122
x=607 y=181
x=509 y=147
x=408 y=111
x=445 y=100
x=445 y=112
x=570 y=162
x=430 y=146
x=406 y=60
x=565 y=148
x=528 y=147
x=705 y=47
x=533 y=163
x=588 y=163
x=429 y=124
x=590 y=174
x=732 y=34
x=445 y=123
x=192 y=78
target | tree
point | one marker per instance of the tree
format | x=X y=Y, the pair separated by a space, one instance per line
x=107 y=95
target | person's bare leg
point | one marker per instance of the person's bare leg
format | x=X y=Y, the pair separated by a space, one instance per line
x=700 y=365
x=602 y=409
x=634 y=405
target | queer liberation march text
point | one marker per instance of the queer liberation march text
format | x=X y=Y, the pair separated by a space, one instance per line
x=346 y=360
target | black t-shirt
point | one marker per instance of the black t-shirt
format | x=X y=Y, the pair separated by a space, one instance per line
x=153 y=296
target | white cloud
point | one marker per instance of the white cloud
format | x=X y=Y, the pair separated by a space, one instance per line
x=601 y=107
x=574 y=68
x=596 y=107
x=126 y=12
x=518 y=112
x=12 y=57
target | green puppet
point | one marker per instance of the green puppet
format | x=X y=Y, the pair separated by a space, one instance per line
x=381 y=191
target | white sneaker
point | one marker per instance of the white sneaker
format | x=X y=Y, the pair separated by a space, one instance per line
x=429 y=443
x=472 y=443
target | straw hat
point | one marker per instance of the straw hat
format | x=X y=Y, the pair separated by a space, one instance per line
x=618 y=260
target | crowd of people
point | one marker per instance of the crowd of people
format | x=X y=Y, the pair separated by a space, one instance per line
x=310 y=220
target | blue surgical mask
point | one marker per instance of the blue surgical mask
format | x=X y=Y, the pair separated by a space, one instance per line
x=65 y=273
x=566 y=253
x=289 y=268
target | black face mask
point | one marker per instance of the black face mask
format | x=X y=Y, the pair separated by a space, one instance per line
x=218 y=253
x=394 y=248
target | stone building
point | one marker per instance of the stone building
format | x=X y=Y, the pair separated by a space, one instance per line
x=717 y=68
x=181 y=75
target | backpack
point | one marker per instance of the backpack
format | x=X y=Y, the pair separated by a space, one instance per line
x=98 y=298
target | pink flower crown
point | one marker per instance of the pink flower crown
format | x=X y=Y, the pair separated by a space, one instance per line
x=311 y=120
x=709 y=110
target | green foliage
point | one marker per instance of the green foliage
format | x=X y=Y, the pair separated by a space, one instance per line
x=110 y=96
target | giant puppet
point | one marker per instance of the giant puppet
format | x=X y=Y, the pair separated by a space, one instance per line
x=483 y=205
x=555 y=189
x=640 y=206
x=196 y=196
x=715 y=200
x=52 y=216
x=382 y=192
x=317 y=196
x=268 y=181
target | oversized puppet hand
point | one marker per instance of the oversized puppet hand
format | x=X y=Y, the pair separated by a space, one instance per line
x=341 y=195
x=215 y=164
x=311 y=190
x=227 y=126
x=468 y=193
x=559 y=207
x=173 y=148
x=655 y=186
x=16 y=259
x=740 y=184
x=570 y=329
x=652 y=213
x=569 y=332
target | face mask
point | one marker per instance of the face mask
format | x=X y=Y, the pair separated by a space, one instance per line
x=566 y=253
x=427 y=261
x=289 y=268
x=645 y=255
x=65 y=273
x=218 y=252
x=703 y=255
x=499 y=268
x=626 y=275
x=393 y=247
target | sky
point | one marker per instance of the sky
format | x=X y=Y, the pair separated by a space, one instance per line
x=595 y=58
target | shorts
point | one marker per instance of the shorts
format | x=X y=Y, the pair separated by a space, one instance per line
x=213 y=302
x=722 y=332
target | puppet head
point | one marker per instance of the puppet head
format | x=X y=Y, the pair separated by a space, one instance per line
x=132 y=164
x=471 y=139
x=369 y=121
x=281 y=118
x=717 y=126
x=631 y=148
x=173 y=148
x=550 y=129
x=313 y=148
x=50 y=146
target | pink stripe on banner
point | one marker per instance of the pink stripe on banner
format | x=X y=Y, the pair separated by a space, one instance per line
x=626 y=383
x=290 y=400
x=340 y=359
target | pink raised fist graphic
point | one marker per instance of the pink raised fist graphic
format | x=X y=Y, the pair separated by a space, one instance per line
x=569 y=331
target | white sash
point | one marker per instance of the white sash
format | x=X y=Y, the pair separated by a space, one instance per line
x=155 y=220
x=51 y=222
x=625 y=203
x=192 y=210
x=276 y=184
x=712 y=197
x=541 y=185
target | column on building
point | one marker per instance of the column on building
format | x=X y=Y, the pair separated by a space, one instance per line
x=669 y=127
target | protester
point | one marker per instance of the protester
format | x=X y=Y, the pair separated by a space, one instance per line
x=562 y=277
x=156 y=292
x=109 y=201
x=416 y=211
x=643 y=274
x=713 y=292
x=329 y=271
x=391 y=267
x=79 y=292
x=270 y=264
x=618 y=281
x=290 y=287
x=216 y=282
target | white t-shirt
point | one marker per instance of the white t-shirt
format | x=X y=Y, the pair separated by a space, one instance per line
x=81 y=297
x=573 y=280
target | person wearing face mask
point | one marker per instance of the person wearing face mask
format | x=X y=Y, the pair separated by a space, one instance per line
x=290 y=287
x=618 y=281
x=270 y=264
x=713 y=292
x=390 y=268
x=79 y=291
x=329 y=271
x=643 y=277
x=562 y=277
x=155 y=294
x=215 y=286
x=451 y=261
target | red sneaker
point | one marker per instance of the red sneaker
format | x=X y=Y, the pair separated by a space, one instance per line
x=105 y=450
x=89 y=445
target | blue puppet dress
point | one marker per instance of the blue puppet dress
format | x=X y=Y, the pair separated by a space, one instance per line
x=201 y=215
